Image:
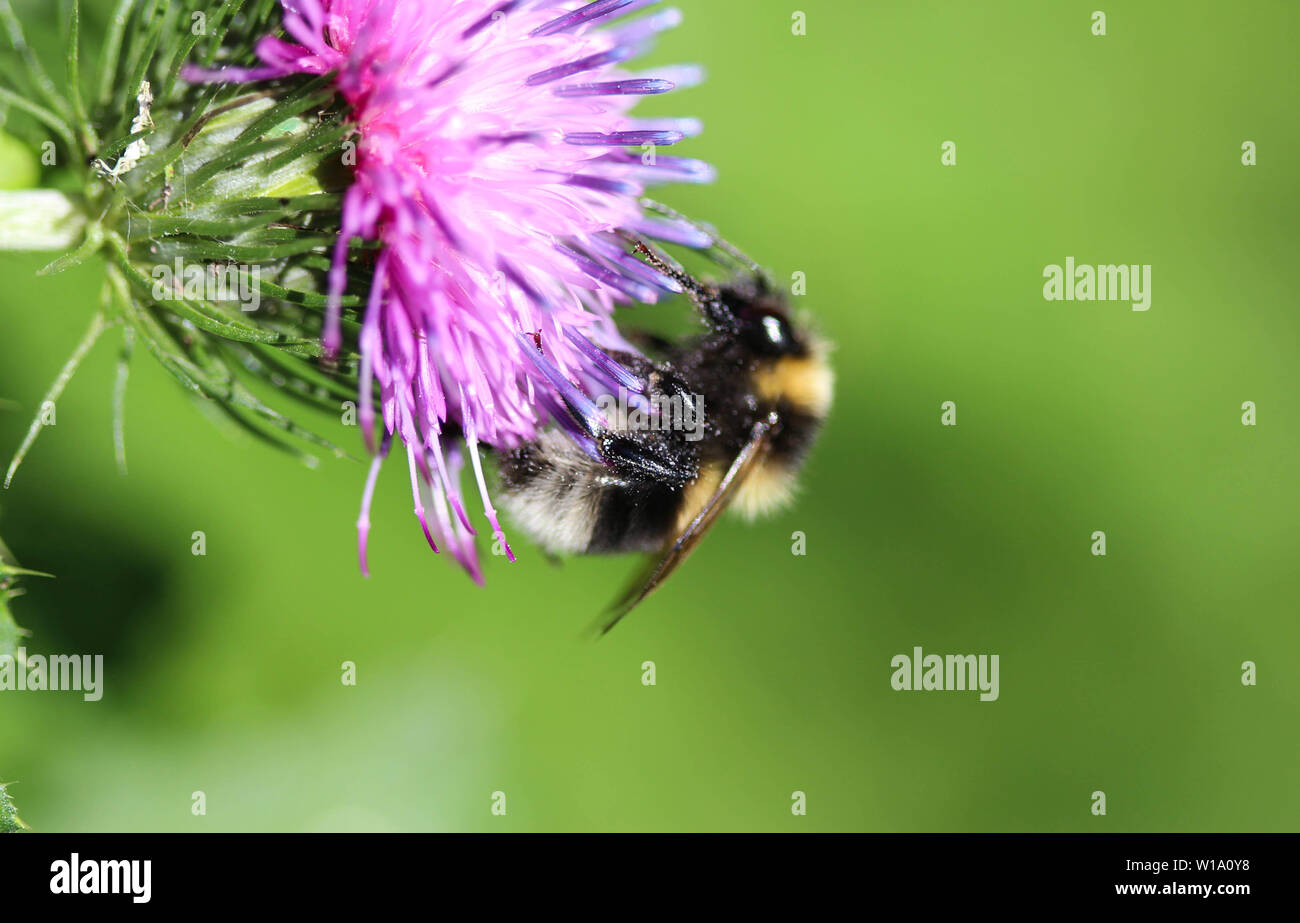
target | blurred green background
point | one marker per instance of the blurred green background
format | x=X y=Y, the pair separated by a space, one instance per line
x=1119 y=673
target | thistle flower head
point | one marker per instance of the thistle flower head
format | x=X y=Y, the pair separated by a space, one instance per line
x=492 y=169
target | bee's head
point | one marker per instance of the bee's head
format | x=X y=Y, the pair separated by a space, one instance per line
x=771 y=335
x=746 y=308
x=792 y=367
x=763 y=324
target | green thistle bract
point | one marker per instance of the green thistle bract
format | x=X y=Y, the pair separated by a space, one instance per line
x=192 y=195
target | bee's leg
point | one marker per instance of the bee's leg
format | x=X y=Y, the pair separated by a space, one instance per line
x=638 y=456
x=742 y=466
x=744 y=260
x=649 y=455
x=668 y=266
x=705 y=297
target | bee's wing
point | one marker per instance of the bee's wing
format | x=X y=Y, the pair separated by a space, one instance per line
x=657 y=572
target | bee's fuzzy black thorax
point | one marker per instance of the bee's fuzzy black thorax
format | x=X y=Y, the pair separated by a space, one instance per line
x=741 y=388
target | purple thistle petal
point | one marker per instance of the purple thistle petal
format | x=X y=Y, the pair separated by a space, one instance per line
x=609 y=277
x=623 y=138
x=674 y=232
x=572 y=428
x=367 y=495
x=415 y=496
x=369 y=349
x=192 y=74
x=447 y=530
x=606 y=184
x=637 y=87
x=681 y=76
x=636 y=267
x=338 y=278
x=613 y=369
x=647 y=27
x=580 y=17
x=578 y=403
x=453 y=495
x=677 y=170
x=489 y=18
x=685 y=128
x=663 y=168
x=488 y=510
x=462 y=535
x=591 y=62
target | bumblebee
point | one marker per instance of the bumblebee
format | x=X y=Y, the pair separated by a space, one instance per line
x=757 y=385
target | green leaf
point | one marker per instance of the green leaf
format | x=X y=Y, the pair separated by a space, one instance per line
x=65 y=375
x=88 y=248
x=45 y=115
x=112 y=49
x=218 y=25
x=205 y=373
x=10 y=633
x=181 y=53
x=10 y=822
x=204 y=315
x=88 y=140
x=312 y=94
x=35 y=72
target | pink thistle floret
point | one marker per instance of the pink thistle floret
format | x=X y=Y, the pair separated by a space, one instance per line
x=492 y=165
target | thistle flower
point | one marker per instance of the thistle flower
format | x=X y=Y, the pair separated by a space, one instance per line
x=491 y=168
